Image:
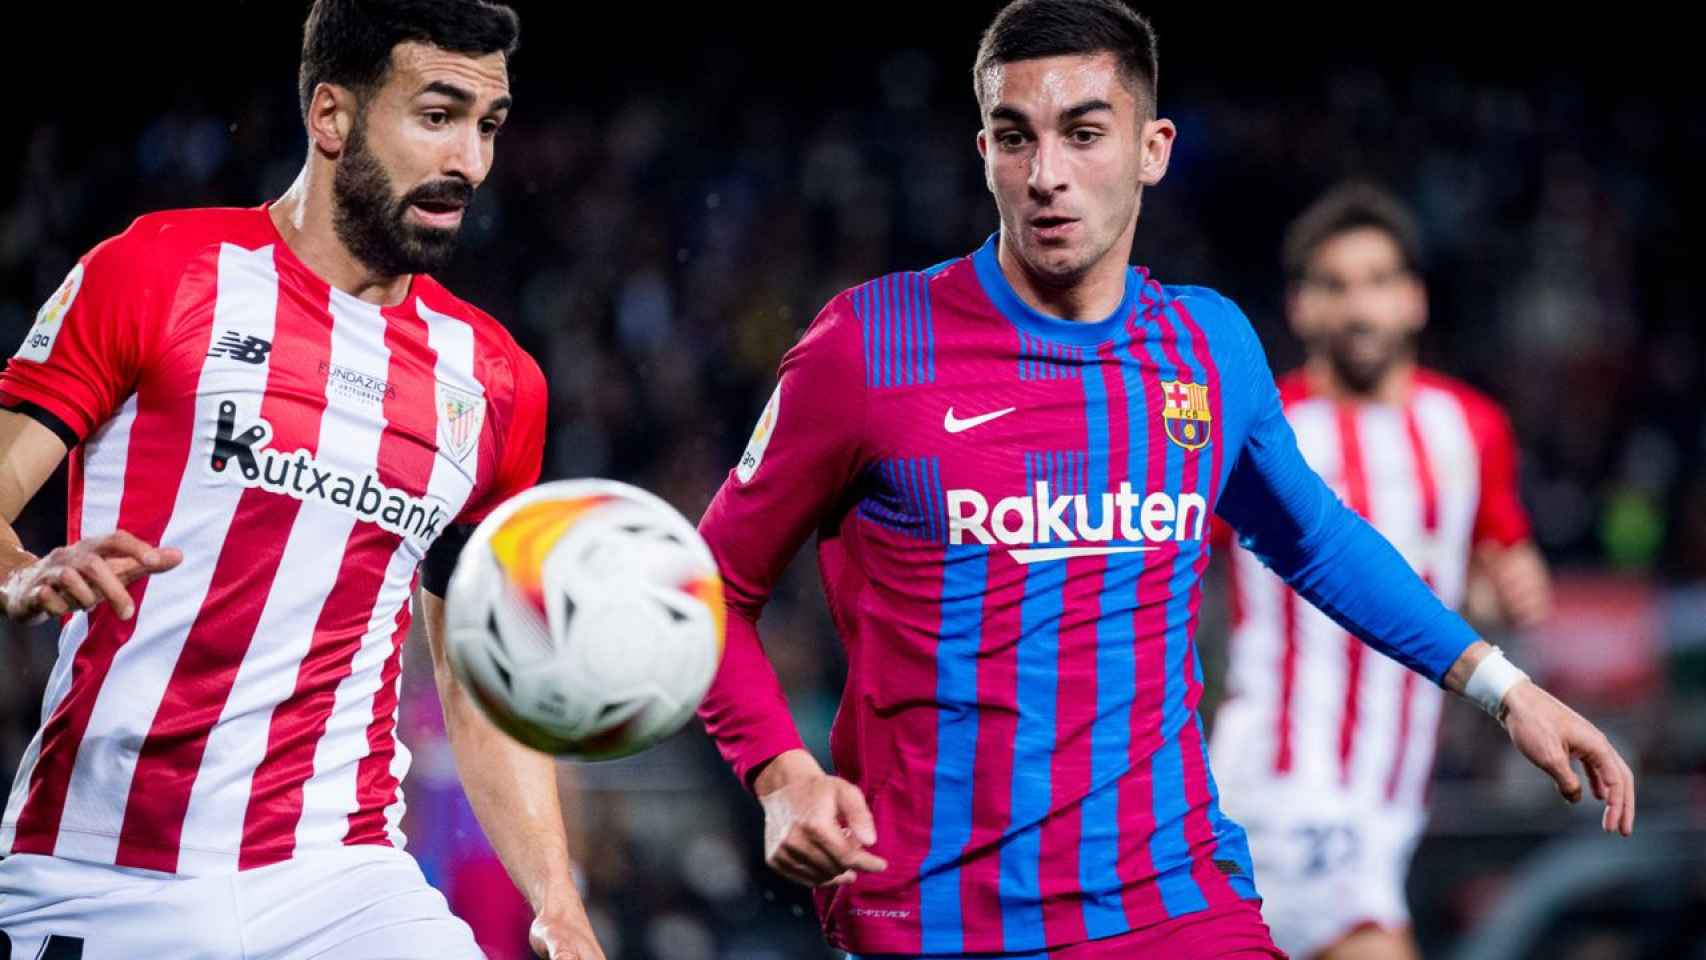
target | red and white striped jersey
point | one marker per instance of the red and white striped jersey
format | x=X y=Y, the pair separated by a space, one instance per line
x=303 y=448
x=1308 y=701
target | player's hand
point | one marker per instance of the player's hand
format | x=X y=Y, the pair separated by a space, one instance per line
x=564 y=934
x=90 y=572
x=1551 y=736
x=818 y=830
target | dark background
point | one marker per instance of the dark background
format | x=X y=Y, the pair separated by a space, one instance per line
x=679 y=191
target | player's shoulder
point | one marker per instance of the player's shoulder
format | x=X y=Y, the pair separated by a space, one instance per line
x=500 y=362
x=1208 y=306
x=880 y=329
x=1476 y=404
x=166 y=239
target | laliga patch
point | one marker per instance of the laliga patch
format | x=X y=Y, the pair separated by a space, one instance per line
x=38 y=343
x=761 y=434
x=1185 y=413
x=460 y=416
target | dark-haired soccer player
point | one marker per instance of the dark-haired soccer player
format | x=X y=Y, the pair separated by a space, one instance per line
x=1009 y=461
x=274 y=415
x=1323 y=751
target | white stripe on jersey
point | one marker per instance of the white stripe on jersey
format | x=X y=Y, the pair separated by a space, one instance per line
x=1318 y=698
x=245 y=305
x=1394 y=504
x=105 y=454
x=1456 y=463
x=1250 y=718
x=358 y=341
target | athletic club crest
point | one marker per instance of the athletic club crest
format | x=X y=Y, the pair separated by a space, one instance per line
x=460 y=416
x=1185 y=413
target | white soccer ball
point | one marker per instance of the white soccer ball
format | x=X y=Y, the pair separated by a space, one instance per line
x=586 y=618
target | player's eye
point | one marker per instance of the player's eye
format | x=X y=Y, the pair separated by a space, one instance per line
x=490 y=128
x=1010 y=139
x=436 y=118
x=1085 y=135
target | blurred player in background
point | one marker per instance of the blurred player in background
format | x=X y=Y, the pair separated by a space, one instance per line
x=274 y=416
x=1323 y=750
x=1009 y=460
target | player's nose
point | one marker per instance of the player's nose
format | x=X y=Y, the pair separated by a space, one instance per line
x=1047 y=168
x=468 y=158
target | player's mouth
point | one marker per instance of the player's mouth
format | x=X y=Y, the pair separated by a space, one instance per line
x=1053 y=229
x=438 y=213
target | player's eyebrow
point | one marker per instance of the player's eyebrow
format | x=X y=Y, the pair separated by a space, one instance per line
x=1087 y=107
x=464 y=96
x=1005 y=112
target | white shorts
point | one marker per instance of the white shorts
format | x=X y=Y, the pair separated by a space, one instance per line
x=1325 y=865
x=357 y=903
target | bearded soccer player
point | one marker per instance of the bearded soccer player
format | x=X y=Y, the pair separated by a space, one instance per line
x=275 y=417
x=1009 y=461
x=1324 y=751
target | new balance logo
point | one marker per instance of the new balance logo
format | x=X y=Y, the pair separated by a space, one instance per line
x=301 y=476
x=238 y=347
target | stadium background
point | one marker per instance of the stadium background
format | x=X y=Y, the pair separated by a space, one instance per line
x=678 y=192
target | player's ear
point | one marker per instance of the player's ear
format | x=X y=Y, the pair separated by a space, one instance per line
x=1419 y=304
x=1156 y=144
x=331 y=116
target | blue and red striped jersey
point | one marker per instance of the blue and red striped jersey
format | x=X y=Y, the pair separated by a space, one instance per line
x=1012 y=515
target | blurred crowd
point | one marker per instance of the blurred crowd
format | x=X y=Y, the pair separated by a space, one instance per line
x=657 y=245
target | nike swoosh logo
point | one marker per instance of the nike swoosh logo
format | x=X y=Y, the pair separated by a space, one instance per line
x=1047 y=554
x=953 y=424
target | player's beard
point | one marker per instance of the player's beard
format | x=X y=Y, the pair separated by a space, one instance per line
x=372 y=220
x=1362 y=356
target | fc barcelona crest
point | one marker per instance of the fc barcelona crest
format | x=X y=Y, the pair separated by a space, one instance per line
x=1185 y=413
x=460 y=416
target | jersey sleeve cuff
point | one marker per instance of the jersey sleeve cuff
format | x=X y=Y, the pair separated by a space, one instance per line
x=58 y=420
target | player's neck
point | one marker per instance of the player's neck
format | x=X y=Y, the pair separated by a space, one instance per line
x=1089 y=299
x=1392 y=389
x=304 y=219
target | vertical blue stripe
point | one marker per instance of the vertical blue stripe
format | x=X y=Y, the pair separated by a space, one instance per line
x=1168 y=847
x=919 y=293
x=862 y=303
x=1038 y=669
x=915 y=487
x=909 y=353
x=930 y=335
x=1230 y=839
x=964 y=567
x=932 y=500
x=893 y=299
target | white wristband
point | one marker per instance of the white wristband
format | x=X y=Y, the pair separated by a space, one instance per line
x=1494 y=676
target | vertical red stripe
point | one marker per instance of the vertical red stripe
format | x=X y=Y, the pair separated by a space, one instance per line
x=1288 y=679
x=376 y=787
x=224 y=628
x=1142 y=897
x=1198 y=827
x=299 y=723
x=1430 y=526
x=163 y=433
x=1356 y=488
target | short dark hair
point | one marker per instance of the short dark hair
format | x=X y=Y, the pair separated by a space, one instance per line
x=1032 y=29
x=1355 y=205
x=349 y=42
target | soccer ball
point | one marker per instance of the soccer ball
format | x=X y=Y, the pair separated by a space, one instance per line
x=586 y=618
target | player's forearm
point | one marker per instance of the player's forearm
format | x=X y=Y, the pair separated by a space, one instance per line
x=513 y=791
x=745 y=711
